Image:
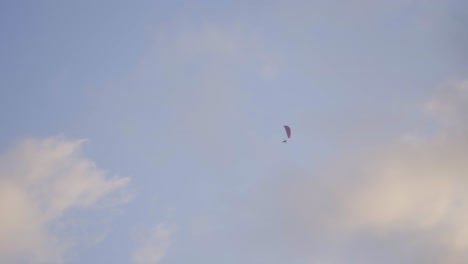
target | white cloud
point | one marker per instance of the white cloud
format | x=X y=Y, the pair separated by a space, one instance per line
x=412 y=193
x=154 y=247
x=421 y=183
x=40 y=179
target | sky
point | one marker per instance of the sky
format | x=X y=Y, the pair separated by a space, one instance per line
x=150 y=132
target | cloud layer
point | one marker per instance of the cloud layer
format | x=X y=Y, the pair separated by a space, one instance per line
x=405 y=203
x=153 y=248
x=40 y=180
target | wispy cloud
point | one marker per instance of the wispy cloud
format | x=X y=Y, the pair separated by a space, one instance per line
x=154 y=246
x=40 y=179
x=418 y=186
x=408 y=195
x=205 y=68
x=450 y=105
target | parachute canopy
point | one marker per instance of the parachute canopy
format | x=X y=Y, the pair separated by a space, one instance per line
x=288 y=131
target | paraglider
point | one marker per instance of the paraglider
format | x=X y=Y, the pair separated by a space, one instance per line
x=288 y=133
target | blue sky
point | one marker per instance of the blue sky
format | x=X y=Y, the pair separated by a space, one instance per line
x=150 y=131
